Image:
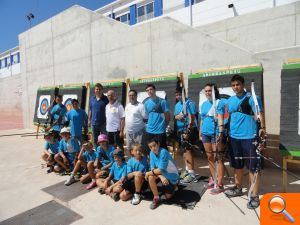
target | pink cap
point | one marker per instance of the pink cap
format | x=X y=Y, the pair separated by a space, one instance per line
x=102 y=137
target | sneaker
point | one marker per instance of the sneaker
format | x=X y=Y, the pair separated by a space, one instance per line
x=253 y=203
x=233 y=192
x=115 y=197
x=101 y=191
x=136 y=199
x=219 y=189
x=184 y=174
x=91 y=185
x=155 y=203
x=188 y=178
x=210 y=184
x=50 y=170
x=70 y=181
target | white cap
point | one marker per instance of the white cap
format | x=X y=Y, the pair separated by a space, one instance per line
x=66 y=130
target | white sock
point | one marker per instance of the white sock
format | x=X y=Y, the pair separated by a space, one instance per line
x=192 y=172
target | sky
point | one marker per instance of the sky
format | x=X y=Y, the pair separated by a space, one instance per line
x=13 y=15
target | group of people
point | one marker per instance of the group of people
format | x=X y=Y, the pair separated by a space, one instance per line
x=101 y=161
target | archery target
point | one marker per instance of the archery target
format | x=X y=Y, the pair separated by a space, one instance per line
x=44 y=103
x=67 y=101
x=143 y=95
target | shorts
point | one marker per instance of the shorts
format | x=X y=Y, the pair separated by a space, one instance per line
x=191 y=139
x=243 y=148
x=208 y=139
x=70 y=158
x=168 y=189
x=130 y=186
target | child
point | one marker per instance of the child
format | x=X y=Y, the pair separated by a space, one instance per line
x=86 y=158
x=163 y=169
x=112 y=185
x=68 y=151
x=104 y=158
x=137 y=166
x=50 y=150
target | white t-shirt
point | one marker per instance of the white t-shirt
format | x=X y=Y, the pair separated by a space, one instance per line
x=114 y=113
x=134 y=117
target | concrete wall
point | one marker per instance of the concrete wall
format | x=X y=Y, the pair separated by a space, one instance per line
x=79 y=46
x=11 y=102
x=260 y=31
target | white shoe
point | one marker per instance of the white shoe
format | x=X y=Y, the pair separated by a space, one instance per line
x=136 y=199
x=70 y=181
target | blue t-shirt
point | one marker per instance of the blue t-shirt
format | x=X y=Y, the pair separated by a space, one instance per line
x=105 y=156
x=209 y=126
x=78 y=118
x=190 y=109
x=156 y=120
x=166 y=164
x=71 y=147
x=97 y=108
x=242 y=126
x=89 y=156
x=118 y=171
x=134 y=165
x=58 y=111
x=53 y=147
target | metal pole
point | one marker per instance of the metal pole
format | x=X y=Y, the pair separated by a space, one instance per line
x=191 y=13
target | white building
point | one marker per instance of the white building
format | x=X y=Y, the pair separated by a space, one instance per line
x=201 y=12
x=10 y=62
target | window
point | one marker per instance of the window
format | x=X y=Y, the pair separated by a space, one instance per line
x=124 y=18
x=145 y=12
x=3 y=64
x=14 y=59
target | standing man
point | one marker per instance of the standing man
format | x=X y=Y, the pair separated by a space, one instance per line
x=135 y=115
x=78 y=119
x=97 y=118
x=115 y=120
x=243 y=130
x=58 y=113
x=187 y=132
x=158 y=116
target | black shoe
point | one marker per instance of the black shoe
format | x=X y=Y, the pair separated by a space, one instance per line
x=253 y=203
x=155 y=203
x=234 y=192
x=50 y=170
x=101 y=191
x=115 y=197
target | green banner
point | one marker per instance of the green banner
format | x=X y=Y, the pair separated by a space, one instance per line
x=110 y=84
x=152 y=80
x=226 y=72
x=71 y=87
x=46 y=88
x=291 y=66
x=293 y=151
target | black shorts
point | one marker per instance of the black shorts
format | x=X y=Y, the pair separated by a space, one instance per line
x=245 y=149
x=168 y=189
x=130 y=186
x=192 y=138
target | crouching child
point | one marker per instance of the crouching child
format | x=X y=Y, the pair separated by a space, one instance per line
x=164 y=170
x=135 y=182
x=112 y=185
x=50 y=149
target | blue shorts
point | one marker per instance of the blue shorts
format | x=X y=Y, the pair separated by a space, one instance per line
x=70 y=158
x=208 y=139
x=243 y=148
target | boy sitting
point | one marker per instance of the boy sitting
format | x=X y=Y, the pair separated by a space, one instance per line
x=86 y=158
x=68 y=151
x=112 y=185
x=50 y=149
x=134 y=182
x=163 y=169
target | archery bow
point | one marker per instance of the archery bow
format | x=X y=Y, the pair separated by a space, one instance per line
x=213 y=94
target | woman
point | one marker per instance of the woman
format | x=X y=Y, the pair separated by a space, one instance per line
x=211 y=133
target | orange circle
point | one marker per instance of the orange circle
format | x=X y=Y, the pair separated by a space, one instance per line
x=276 y=204
x=44 y=107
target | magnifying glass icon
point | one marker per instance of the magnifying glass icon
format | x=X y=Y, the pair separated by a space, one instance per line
x=277 y=205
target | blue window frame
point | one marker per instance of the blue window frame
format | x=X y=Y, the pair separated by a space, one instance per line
x=149 y=7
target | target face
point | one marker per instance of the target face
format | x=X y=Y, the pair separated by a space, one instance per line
x=67 y=101
x=143 y=95
x=44 y=103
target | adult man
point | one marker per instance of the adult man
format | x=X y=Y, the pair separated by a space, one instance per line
x=78 y=119
x=58 y=113
x=97 y=118
x=243 y=130
x=158 y=116
x=187 y=132
x=115 y=120
x=135 y=115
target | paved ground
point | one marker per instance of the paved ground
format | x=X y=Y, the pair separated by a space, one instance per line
x=23 y=178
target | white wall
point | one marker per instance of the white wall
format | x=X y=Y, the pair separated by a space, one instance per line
x=10 y=70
